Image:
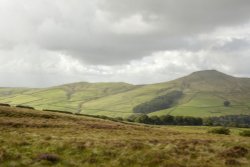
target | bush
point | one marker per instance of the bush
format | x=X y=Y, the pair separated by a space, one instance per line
x=167 y=119
x=25 y=107
x=155 y=120
x=132 y=117
x=59 y=111
x=222 y=130
x=245 y=133
x=235 y=152
x=242 y=121
x=3 y=155
x=4 y=104
x=180 y=120
x=227 y=103
x=119 y=118
x=48 y=157
x=142 y=119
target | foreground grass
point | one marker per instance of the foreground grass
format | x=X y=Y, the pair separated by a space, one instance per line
x=35 y=138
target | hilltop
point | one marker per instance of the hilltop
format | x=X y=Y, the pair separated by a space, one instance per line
x=204 y=94
x=38 y=138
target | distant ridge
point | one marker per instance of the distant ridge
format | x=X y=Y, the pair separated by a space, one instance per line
x=204 y=93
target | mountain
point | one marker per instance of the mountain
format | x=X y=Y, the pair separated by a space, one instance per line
x=203 y=94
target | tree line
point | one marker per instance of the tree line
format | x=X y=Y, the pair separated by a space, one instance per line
x=228 y=120
x=165 y=120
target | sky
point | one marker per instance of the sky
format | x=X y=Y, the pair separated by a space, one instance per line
x=45 y=43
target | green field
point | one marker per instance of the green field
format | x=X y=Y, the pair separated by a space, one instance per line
x=204 y=95
x=42 y=139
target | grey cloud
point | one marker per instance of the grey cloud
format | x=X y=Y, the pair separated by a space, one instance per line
x=177 y=23
x=183 y=16
x=234 y=45
x=90 y=30
x=51 y=68
x=44 y=42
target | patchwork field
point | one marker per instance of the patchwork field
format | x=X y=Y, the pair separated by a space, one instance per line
x=39 y=138
x=204 y=93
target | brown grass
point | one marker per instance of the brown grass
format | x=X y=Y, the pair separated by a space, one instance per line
x=235 y=152
x=48 y=157
x=39 y=138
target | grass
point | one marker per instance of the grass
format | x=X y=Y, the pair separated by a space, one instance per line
x=204 y=105
x=245 y=133
x=221 y=130
x=204 y=95
x=37 y=138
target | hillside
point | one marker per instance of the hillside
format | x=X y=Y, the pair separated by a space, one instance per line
x=38 y=138
x=204 y=93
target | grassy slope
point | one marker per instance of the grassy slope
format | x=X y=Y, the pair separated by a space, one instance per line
x=204 y=92
x=85 y=141
x=69 y=97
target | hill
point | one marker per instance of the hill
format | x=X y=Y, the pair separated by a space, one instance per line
x=38 y=138
x=204 y=94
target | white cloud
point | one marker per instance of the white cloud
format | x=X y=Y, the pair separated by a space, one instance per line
x=52 y=68
x=132 y=25
x=46 y=42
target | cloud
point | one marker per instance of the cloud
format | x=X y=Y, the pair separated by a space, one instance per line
x=51 y=68
x=51 y=42
x=111 y=32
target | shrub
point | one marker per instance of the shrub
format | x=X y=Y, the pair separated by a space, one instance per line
x=142 y=119
x=242 y=121
x=48 y=157
x=59 y=111
x=136 y=145
x=245 y=133
x=232 y=162
x=119 y=118
x=235 y=152
x=167 y=119
x=4 y=104
x=227 y=103
x=180 y=120
x=132 y=117
x=222 y=130
x=155 y=120
x=2 y=155
x=26 y=107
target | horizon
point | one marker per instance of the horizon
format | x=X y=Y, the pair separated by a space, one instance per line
x=45 y=43
x=211 y=70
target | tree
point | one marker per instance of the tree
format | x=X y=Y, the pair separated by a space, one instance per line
x=155 y=120
x=227 y=103
x=208 y=122
x=167 y=119
x=192 y=121
x=143 y=118
x=179 y=120
x=132 y=117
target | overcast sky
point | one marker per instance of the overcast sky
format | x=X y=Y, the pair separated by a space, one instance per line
x=51 y=42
